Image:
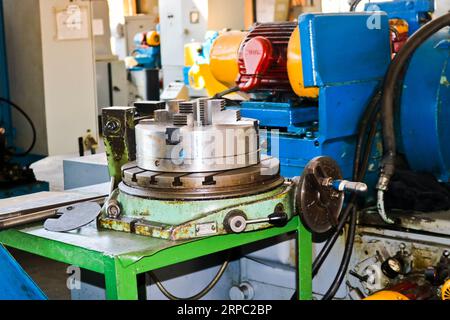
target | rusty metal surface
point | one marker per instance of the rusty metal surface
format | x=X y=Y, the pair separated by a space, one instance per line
x=175 y=219
x=119 y=138
x=432 y=222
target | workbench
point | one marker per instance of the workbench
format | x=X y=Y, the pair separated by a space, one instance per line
x=122 y=257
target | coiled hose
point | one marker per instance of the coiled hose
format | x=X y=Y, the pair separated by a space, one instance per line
x=33 y=128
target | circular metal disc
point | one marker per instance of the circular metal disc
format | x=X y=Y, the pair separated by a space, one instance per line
x=200 y=185
x=319 y=205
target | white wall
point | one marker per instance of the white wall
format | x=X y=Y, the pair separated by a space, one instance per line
x=69 y=82
x=442 y=6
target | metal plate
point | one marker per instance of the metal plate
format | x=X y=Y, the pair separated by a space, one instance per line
x=73 y=217
x=201 y=185
x=320 y=206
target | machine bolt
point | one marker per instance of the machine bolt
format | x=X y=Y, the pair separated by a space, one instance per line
x=113 y=209
x=112 y=126
x=237 y=224
x=243 y=291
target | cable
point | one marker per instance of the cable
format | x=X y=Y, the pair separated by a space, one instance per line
x=369 y=117
x=394 y=78
x=225 y=92
x=197 y=296
x=345 y=260
x=354 y=4
x=33 y=128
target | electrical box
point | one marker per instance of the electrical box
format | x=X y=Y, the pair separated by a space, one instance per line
x=51 y=64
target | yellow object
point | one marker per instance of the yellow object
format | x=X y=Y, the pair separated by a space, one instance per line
x=200 y=77
x=400 y=25
x=191 y=52
x=295 y=68
x=387 y=295
x=224 y=57
x=445 y=290
x=153 y=39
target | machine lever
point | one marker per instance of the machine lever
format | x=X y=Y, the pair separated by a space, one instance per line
x=276 y=219
x=237 y=222
x=349 y=186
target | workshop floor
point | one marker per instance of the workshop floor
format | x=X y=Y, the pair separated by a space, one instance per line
x=48 y=274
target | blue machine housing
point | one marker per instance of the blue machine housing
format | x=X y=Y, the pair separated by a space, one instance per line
x=203 y=56
x=147 y=57
x=415 y=12
x=424 y=117
x=347 y=64
x=5 y=111
x=6 y=122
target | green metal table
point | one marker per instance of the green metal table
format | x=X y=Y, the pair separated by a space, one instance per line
x=121 y=257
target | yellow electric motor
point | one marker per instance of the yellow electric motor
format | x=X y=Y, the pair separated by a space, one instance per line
x=267 y=58
x=152 y=38
x=445 y=290
x=224 y=57
x=199 y=74
x=387 y=295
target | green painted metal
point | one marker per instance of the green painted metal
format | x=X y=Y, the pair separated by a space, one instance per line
x=178 y=220
x=119 y=139
x=100 y=251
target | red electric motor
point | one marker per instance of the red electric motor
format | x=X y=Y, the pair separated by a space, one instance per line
x=263 y=57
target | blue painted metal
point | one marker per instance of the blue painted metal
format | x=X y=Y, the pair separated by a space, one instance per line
x=15 y=283
x=296 y=119
x=6 y=122
x=425 y=108
x=350 y=52
x=5 y=110
x=412 y=11
x=347 y=63
x=147 y=58
x=203 y=56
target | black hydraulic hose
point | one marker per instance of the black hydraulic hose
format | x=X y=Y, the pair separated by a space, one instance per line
x=346 y=258
x=225 y=92
x=354 y=5
x=332 y=240
x=369 y=117
x=352 y=227
x=33 y=128
x=392 y=80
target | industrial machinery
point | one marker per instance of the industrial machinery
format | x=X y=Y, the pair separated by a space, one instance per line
x=147 y=52
x=197 y=73
x=16 y=178
x=321 y=90
x=189 y=169
x=144 y=65
x=195 y=170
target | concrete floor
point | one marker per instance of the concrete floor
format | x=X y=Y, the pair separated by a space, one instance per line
x=48 y=274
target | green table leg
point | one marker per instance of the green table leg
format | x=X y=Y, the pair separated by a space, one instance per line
x=121 y=283
x=304 y=263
